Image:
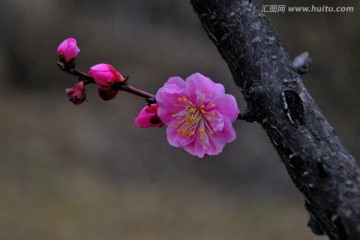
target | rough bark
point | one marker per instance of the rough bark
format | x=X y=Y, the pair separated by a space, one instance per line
x=317 y=162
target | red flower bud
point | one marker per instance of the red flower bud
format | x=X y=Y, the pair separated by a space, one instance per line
x=76 y=94
x=148 y=117
x=68 y=51
x=107 y=93
x=105 y=75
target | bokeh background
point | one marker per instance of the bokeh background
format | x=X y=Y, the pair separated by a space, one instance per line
x=86 y=172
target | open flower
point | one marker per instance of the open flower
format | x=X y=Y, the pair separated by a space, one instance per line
x=76 y=93
x=105 y=75
x=148 y=117
x=198 y=113
x=68 y=51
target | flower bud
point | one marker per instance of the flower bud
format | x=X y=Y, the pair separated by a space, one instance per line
x=148 y=117
x=68 y=51
x=76 y=94
x=107 y=93
x=105 y=75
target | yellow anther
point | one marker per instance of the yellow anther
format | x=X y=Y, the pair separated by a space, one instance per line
x=179 y=99
x=178 y=123
x=211 y=132
x=202 y=106
x=178 y=131
x=201 y=130
x=176 y=105
x=213 y=113
x=201 y=139
x=173 y=115
x=203 y=111
x=213 y=105
x=209 y=119
x=192 y=133
x=191 y=110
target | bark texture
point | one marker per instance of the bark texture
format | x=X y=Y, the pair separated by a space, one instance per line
x=317 y=162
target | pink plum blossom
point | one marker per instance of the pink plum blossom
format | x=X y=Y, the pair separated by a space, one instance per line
x=105 y=75
x=68 y=50
x=198 y=113
x=148 y=117
x=76 y=94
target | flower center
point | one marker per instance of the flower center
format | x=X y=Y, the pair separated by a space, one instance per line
x=193 y=119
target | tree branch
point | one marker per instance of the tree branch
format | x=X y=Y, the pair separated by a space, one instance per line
x=319 y=165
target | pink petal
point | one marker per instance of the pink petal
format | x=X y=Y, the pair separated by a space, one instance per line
x=169 y=94
x=216 y=144
x=199 y=148
x=212 y=145
x=165 y=116
x=190 y=148
x=228 y=131
x=218 y=140
x=226 y=105
x=217 y=120
x=174 y=138
x=202 y=89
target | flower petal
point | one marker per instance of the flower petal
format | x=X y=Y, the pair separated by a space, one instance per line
x=226 y=105
x=216 y=144
x=218 y=140
x=216 y=120
x=228 y=131
x=168 y=95
x=199 y=148
x=190 y=148
x=165 y=116
x=174 y=138
x=201 y=89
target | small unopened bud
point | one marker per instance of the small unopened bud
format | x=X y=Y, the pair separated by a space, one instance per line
x=107 y=93
x=76 y=94
x=68 y=51
x=148 y=117
x=106 y=75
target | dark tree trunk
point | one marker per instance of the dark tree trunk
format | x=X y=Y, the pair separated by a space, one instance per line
x=319 y=165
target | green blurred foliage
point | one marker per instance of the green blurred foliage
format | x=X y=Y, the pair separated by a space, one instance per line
x=87 y=172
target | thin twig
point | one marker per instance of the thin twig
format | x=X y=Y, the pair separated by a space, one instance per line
x=87 y=79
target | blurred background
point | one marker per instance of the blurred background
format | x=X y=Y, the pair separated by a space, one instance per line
x=86 y=172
